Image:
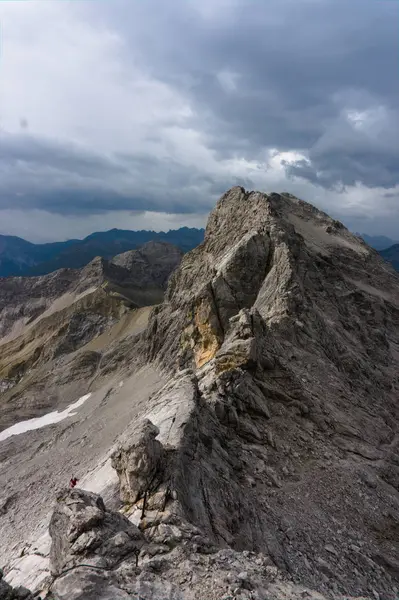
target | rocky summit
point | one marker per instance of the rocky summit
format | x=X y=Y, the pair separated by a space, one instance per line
x=238 y=442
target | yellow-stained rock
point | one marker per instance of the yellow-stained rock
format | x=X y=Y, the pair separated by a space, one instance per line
x=208 y=335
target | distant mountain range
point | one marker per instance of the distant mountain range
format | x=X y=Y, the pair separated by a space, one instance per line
x=19 y=257
x=392 y=255
x=388 y=248
x=378 y=242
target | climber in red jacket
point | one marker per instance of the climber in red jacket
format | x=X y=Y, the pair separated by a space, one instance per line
x=73 y=482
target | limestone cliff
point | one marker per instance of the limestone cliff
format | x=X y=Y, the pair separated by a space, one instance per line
x=289 y=325
x=265 y=457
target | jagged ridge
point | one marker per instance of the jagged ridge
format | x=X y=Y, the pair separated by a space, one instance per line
x=290 y=325
x=278 y=423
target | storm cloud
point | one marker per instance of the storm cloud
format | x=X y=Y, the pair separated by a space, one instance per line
x=134 y=108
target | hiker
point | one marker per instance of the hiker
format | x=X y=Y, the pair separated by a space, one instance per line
x=73 y=482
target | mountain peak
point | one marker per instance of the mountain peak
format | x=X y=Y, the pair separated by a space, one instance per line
x=250 y=419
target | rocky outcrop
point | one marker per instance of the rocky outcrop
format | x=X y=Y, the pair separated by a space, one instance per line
x=289 y=326
x=176 y=561
x=138 y=462
x=82 y=530
x=268 y=460
x=88 y=541
x=7 y=592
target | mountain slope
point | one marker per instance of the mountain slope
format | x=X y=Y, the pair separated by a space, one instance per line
x=392 y=255
x=21 y=258
x=259 y=446
x=43 y=318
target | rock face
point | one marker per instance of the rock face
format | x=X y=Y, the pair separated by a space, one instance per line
x=151 y=264
x=104 y=565
x=82 y=529
x=290 y=326
x=9 y=593
x=85 y=535
x=138 y=462
x=268 y=461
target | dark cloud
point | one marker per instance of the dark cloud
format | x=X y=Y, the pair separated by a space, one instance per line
x=357 y=147
x=196 y=98
x=294 y=67
x=65 y=179
x=40 y=153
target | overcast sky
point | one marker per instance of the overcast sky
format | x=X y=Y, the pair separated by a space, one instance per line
x=141 y=113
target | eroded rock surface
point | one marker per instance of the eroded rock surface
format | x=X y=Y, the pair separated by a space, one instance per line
x=138 y=461
x=267 y=465
x=7 y=592
x=290 y=327
x=177 y=562
x=82 y=530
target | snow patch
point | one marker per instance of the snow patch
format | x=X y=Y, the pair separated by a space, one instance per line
x=39 y=422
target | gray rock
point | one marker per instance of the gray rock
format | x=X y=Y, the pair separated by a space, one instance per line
x=151 y=264
x=330 y=548
x=6 y=591
x=138 y=461
x=277 y=345
x=82 y=530
x=289 y=331
x=86 y=584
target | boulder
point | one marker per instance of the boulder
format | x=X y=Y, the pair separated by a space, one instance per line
x=7 y=592
x=83 y=531
x=138 y=460
x=86 y=584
